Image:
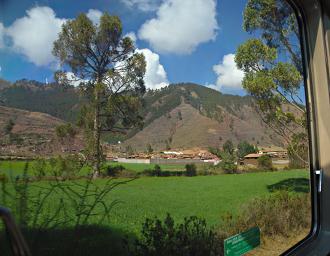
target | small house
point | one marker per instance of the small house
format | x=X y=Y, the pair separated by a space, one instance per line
x=251 y=159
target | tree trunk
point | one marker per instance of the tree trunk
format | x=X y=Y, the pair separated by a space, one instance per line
x=96 y=134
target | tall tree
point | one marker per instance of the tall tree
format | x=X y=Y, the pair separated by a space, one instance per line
x=228 y=147
x=110 y=75
x=244 y=148
x=273 y=69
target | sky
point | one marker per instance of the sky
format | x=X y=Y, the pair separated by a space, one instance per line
x=182 y=40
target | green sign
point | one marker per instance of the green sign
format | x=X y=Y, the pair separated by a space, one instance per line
x=242 y=243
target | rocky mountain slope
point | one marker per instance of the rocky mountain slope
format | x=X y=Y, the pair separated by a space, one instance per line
x=179 y=116
x=31 y=133
x=189 y=116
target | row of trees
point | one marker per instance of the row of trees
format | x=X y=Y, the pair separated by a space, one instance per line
x=230 y=154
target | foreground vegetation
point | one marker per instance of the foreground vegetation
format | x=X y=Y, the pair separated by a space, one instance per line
x=217 y=199
x=205 y=196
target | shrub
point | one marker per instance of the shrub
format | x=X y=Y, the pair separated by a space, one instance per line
x=265 y=162
x=192 y=237
x=191 y=170
x=280 y=214
x=65 y=130
x=172 y=173
x=114 y=170
x=146 y=172
x=66 y=166
x=157 y=171
x=215 y=151
x=228 y=164
x=39 y=167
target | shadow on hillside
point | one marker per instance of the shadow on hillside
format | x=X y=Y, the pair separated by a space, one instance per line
x=292 y=184
x=87 y=240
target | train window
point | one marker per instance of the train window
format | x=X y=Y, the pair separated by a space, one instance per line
x=166 y=127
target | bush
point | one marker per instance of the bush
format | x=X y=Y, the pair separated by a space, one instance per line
x=191 y=170
x=66 y=166
x=65 y=130
x=192 y=237
x=280 y=214
x=114 y=170
x=157 y=171
x=228 y=163
x=147 y=172
x=265 y=162
x=39 y=167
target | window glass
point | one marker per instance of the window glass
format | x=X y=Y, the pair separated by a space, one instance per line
x=141 y=127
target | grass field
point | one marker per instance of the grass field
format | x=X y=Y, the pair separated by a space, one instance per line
x=205 y=196
x=209 y=197
x=14 y=168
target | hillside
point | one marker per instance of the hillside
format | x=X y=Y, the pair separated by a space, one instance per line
x=182 y=115
x=33 y=133
x=189 y=116
x=52 y=99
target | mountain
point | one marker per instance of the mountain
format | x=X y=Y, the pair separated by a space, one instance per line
x=180 y=116
x=50 y=98
x=32 y=133
x=188 y=115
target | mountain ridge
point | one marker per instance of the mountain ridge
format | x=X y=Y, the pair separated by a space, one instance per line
x=178 y=116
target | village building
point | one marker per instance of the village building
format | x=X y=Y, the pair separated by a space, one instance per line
x=169 y=157
x=275 y=152
x=278 y=155
x=251 y=159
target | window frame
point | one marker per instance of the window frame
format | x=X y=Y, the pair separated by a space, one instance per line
x=314 y=25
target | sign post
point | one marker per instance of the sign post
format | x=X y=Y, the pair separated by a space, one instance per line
x=242 y=243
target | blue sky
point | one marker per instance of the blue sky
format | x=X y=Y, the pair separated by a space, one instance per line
x=183 y=40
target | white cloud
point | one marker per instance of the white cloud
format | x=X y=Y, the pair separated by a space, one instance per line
x=212 y=86
x=94 y=15
x=2 y=35
x=155 y=76
x=228 y=75
x=74 y=80
x=181 y=25
x=33 y=35
x=132 y=36
x=142 y=5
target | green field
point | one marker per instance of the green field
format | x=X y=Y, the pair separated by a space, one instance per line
x=209 y=197
x=14 y=168
x=205 y=196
